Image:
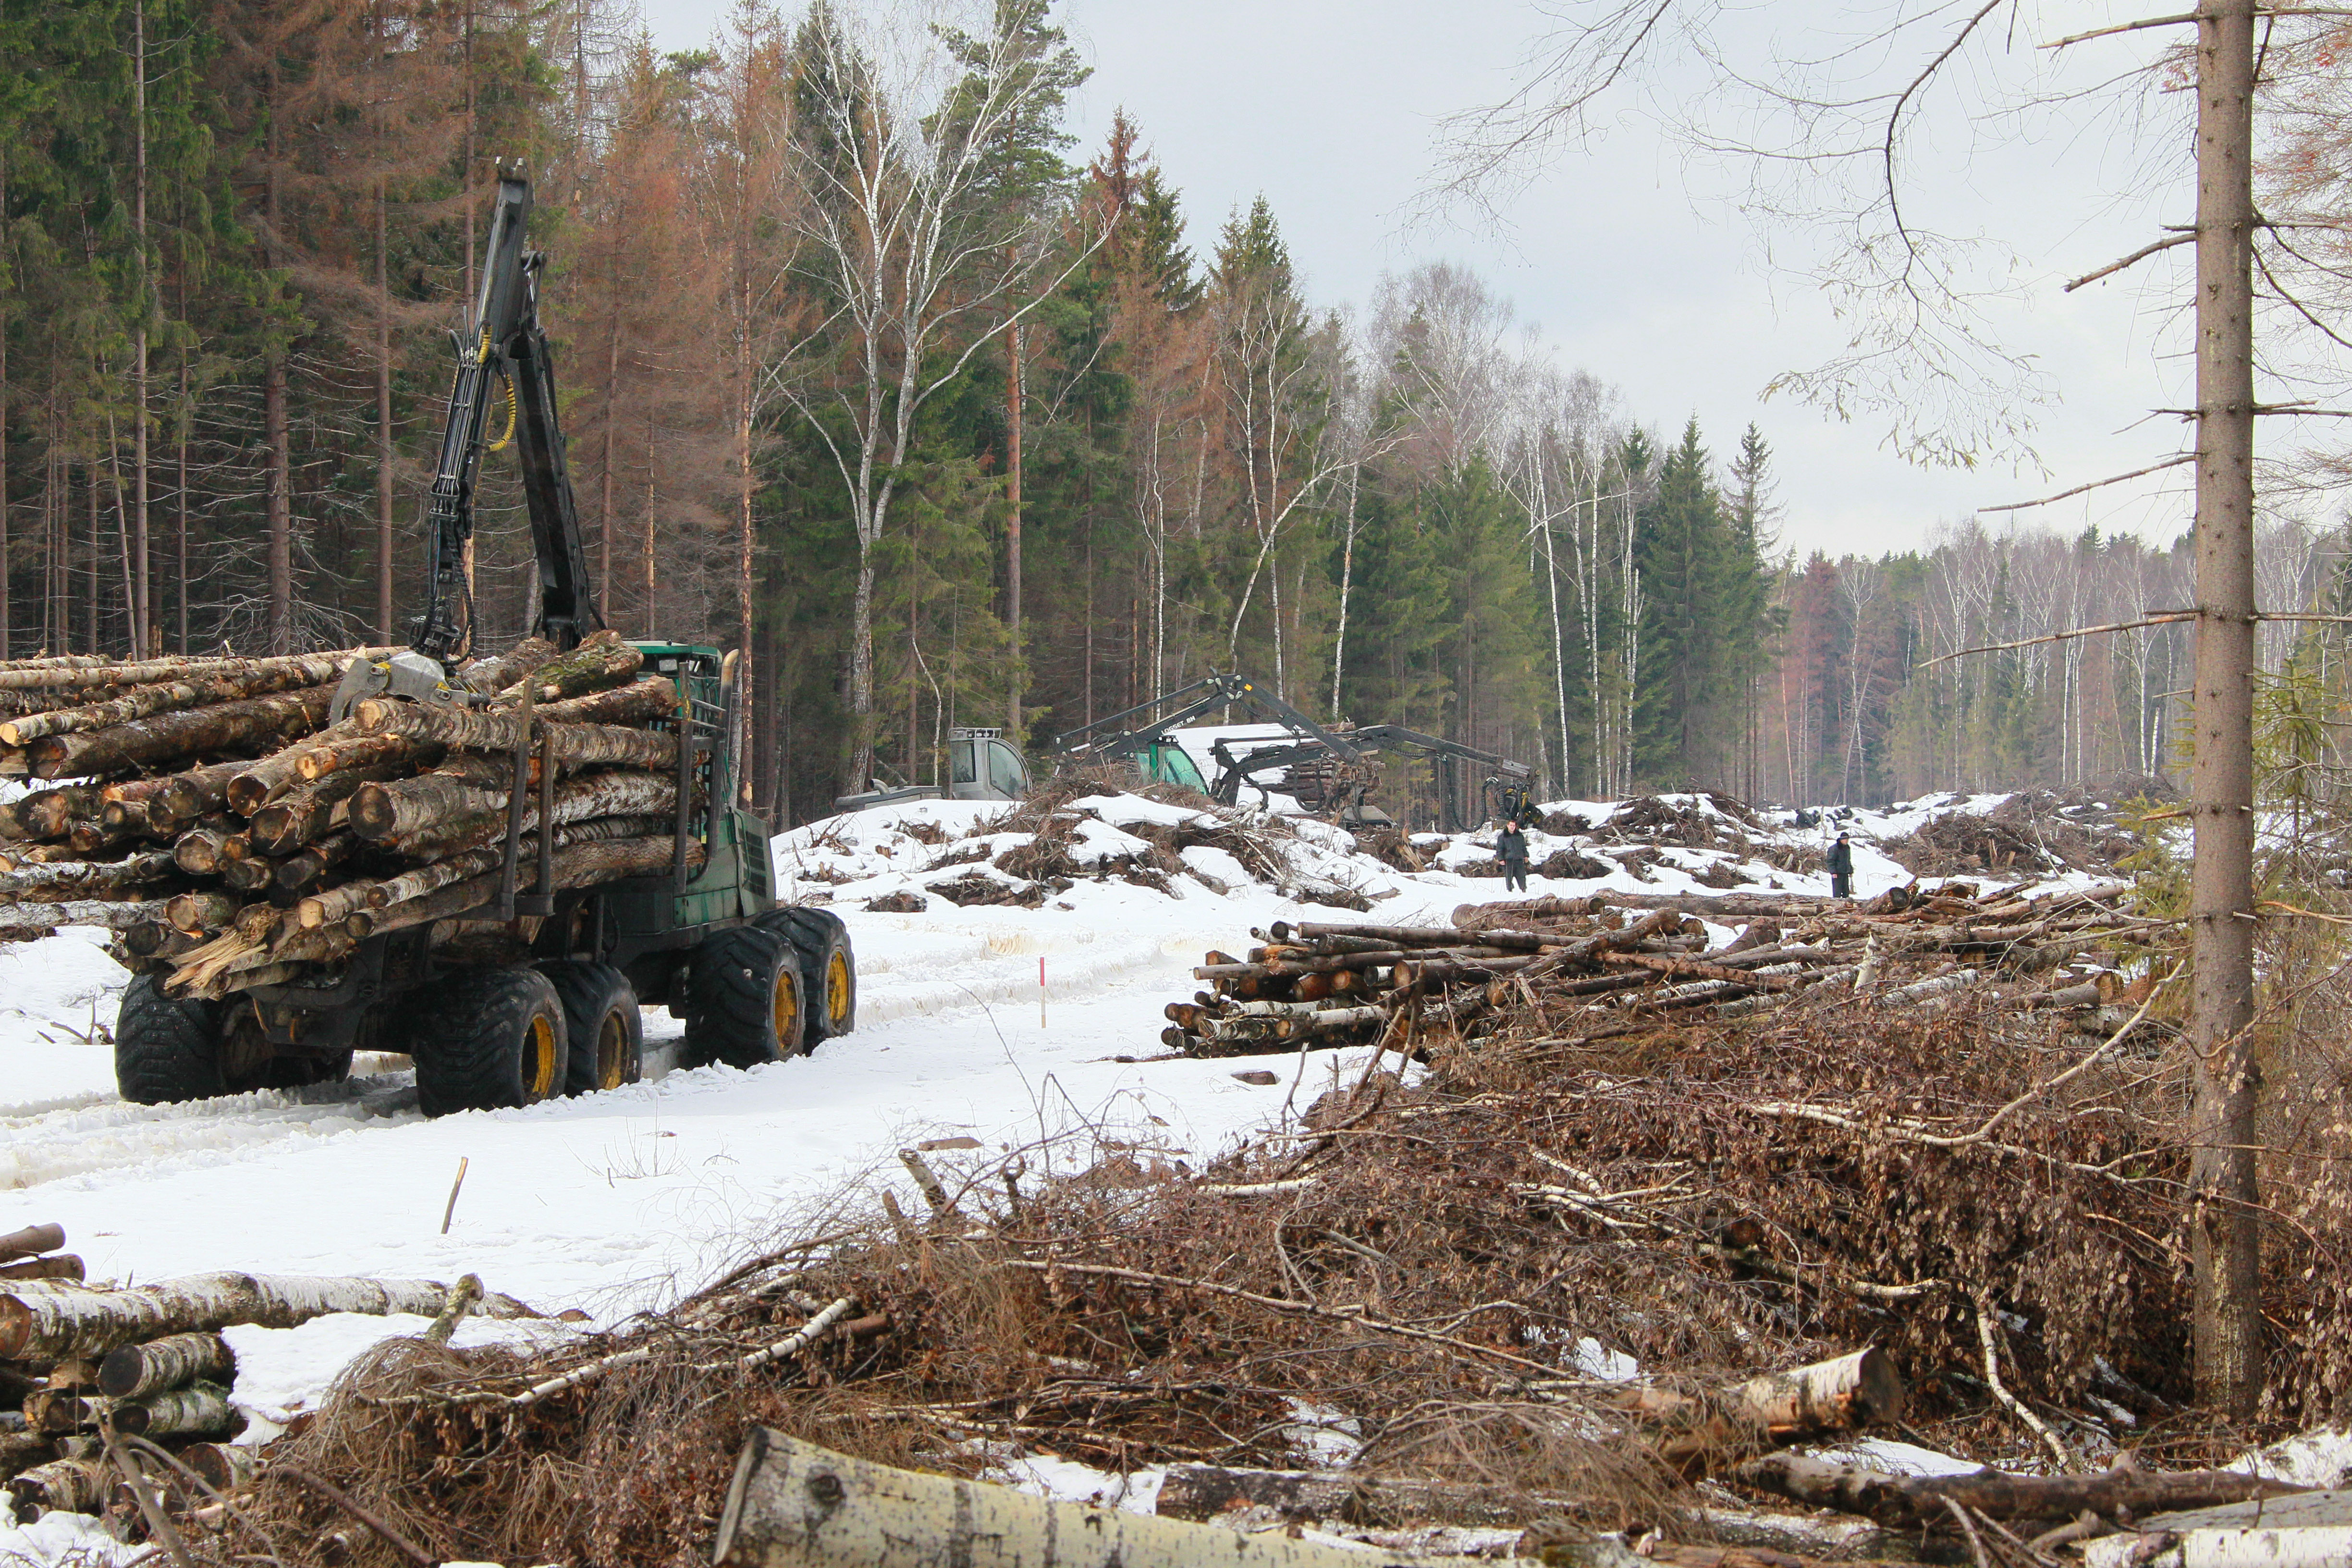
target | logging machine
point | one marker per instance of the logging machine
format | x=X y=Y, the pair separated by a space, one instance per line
x=554 y=1007
x=1329 y=771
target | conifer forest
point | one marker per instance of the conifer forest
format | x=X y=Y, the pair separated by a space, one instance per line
x=872 y=370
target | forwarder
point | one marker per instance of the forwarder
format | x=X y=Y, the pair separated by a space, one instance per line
x=754 y=983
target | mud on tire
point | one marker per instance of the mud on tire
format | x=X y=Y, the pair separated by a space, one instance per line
x=601 y=1023
x=743 y=1000
x=489 y=1038
x=828 y=967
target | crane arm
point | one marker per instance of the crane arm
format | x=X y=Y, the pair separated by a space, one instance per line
x=507 y=347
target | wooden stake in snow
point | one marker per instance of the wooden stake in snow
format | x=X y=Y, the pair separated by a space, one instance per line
x=452 y=1207
x=795 y=1505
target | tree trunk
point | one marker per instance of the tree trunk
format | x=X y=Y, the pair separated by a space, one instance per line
x=140 y=623
x=2224 y=1228
x=577 y=800
x=579 y=865
x=1013 y=682
x=199 y=1410
x=795 y=1505
x=298 y=874
x=383 y=614
x=80 y=880
x=197 y=793
x=62 y=1325
x=1904 y=1502
x=134 y=1371
x=171 y=737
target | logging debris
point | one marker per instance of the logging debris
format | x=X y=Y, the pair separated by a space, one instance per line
x=1588 y=969
x=199 y=798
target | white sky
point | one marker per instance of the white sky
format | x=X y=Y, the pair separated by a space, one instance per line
x=1635 y=269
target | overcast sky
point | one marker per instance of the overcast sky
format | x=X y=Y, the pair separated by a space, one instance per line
x=1634 y=267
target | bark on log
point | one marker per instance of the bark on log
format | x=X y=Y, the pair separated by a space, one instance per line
x=351 y=898
x=647 y=698
x=198 y=792
x=58 y=1266
x=308 y=811
x=795 y=1505
x=225 y=1468
x=83 y=670
x=31 y=1240
x=199 y=1410
x=363 y=751
x=61 y=1486
x=1201 y=1492
x=486 y=675
x=134 y=1371
x=70 y=879
x=406 y=806
x=57 y=1325
x=581 y=865
x=1904 y=1502
x=76 y=912
x=576 y=744
x=589 y=795
x=301 y=872
x=600 y=661
x=264 y=677
x=170 y=738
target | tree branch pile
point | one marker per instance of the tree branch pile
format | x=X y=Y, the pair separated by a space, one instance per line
x=206 y=813
x=1594 y=969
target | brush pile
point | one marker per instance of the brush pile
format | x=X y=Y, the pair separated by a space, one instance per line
x=1617 y=963
x=83 y=1369
x=207 y=812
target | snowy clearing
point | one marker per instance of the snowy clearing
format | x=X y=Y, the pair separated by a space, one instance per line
x=614 y=1203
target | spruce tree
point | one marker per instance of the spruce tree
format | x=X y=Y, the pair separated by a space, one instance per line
x=1691 y=576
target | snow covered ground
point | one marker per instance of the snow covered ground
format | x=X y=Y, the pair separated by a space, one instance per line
x=616 y=1202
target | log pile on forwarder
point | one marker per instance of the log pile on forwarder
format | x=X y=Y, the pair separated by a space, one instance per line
x=207 y=812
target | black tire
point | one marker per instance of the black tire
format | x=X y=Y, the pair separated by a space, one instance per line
x=166 y=1049
x=605 y=1031
x=743 y=1000
x=828 y=967
x=488 y=1039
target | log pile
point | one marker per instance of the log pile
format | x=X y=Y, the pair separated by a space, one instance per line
x=206 y=812
x=1617 y=963
x=81 y=1367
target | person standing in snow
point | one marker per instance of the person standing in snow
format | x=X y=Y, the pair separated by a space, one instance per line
x=1841 y=868
x=1511 y=849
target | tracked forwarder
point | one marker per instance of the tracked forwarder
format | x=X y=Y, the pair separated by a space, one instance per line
x=754 y=981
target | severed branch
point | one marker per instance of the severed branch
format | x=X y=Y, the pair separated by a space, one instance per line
x=2142 y=254
x=2165 y=617
x=2125 y=28
x=2010 y=1402
x=2095 y=484
x=2061 y=637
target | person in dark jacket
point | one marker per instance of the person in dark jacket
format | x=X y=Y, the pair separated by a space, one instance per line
x=1841 y=868
x=1511 y=849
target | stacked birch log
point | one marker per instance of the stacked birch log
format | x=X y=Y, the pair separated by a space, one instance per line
x=1619 y=962
x=206 y=812
x=80 y=1366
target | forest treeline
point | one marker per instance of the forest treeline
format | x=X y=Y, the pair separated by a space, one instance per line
x=869 y=370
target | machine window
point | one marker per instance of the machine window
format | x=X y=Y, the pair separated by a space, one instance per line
x=1005 y=772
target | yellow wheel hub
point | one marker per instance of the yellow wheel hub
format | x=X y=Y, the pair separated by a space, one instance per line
x=613 y=1052
x=787 y=1005
x=837 y=988
x=539 y=1054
